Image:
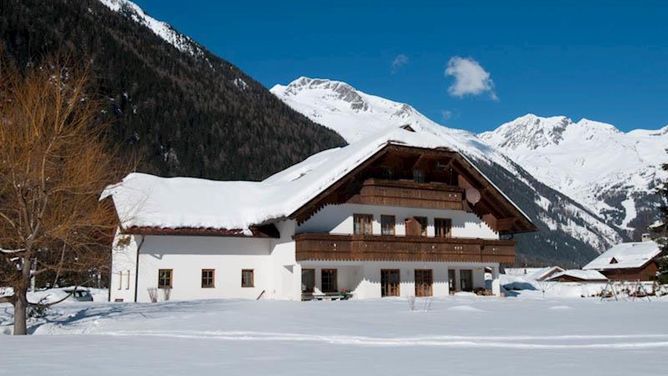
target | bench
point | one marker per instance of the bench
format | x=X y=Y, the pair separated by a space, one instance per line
x=326 y=296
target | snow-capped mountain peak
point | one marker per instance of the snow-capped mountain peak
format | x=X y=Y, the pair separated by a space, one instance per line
x=159 y=28
x=609 y=171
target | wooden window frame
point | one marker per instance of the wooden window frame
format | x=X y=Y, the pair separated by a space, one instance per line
x=252 y=278
x=437 y=228
x=335 y=280
x=171 y=278
x=419 y=290
x=392 y=221
x=213 y=278
x=362 y=231
x=385 y=292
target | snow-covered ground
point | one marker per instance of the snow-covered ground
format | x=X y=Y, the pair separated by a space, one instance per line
x=462 y=335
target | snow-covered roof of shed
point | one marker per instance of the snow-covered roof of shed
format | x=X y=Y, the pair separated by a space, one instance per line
x=625 y=255
x=143 y=200
x=585 y=275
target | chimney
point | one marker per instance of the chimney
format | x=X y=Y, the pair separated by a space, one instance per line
x=646 y=237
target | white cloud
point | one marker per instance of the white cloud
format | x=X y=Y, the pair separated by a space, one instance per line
x=398 y=62
x=470 y=78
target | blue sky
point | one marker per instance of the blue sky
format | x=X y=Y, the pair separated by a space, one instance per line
x=605 y=61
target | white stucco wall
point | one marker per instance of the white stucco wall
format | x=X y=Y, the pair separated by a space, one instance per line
x=338 y=219
x=188 y=255
x=363 y=279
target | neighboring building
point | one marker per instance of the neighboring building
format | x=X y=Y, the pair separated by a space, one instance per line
x=628 y=261
x=397 y=214
x=577 y=275
x=536 y=274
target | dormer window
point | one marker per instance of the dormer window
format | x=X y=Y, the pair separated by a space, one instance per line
x=418 y=175
x=614 y=261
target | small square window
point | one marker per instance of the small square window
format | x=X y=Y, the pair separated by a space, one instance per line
x=387 y=224
x=247 y=278
x=208 y=278
x=363 y=224
x=443 y=227
x=165 y=278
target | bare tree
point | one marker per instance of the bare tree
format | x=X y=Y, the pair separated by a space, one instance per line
x=54 y=163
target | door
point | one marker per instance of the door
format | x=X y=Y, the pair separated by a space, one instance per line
x=452 y=281
x=416 y=226
x=328 y=279
x=466 y=279
x=308 y=280
x=389 y=282
x=424 y=279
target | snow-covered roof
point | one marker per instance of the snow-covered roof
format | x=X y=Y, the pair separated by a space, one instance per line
x=624 y=256
x=143 y=200
x=585 y=275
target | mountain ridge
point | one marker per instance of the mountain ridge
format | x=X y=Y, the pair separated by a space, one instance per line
x=568 y=229
x=181 y=109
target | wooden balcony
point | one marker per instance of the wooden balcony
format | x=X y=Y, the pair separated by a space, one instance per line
x=409 y=194
x=323 y=246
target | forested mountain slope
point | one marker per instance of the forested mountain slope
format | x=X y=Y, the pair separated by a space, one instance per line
x=184 y=110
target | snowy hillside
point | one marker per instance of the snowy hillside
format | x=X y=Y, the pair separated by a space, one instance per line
x=608 y=171
x=355 y=114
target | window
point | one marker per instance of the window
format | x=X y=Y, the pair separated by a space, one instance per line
x=418 y=176
x=308 y=280
x=247 y=278
x=387 y=224
x=208 y=278
x=423 y=225
x=362 y=224
x=416 y=226
x=328 y=280
x=424 y=279
x=165 y=278
x=442 y=227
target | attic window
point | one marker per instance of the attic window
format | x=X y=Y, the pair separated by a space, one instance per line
x=614 y=261
x=418 y=175
x=407 y=127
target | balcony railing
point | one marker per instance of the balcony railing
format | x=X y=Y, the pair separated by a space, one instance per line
x=324 y=246
x=409 y=193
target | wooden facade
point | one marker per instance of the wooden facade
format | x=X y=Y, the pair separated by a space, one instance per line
x=645 y=273
x=330 y=247
x=421 y=178
x=409 y=193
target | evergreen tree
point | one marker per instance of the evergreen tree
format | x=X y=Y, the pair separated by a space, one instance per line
x=660 y=231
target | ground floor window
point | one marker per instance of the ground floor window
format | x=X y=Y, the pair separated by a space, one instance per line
x=424 y=280
x=165 y=278
x=389 y=282
x=208 y=278
x=308 y=280
x=247 y=278
x=466 y=279
x=328 y=280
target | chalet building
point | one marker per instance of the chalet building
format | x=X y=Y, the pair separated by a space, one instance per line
x=536 y=274
x=636 y=261
x=577 y=275
x=397 y=214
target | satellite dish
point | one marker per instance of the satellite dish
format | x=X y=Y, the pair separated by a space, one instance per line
x=472 y=195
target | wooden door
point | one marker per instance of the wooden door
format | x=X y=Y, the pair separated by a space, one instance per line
x=389 y=282
x=452 y=281
x=308 y=280
x=466 y=279
x=329 y=280
x=424 y=279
